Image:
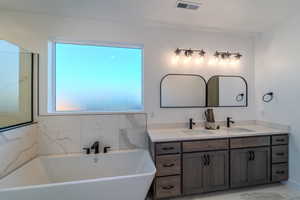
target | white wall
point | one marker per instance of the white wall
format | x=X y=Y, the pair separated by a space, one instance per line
x=34 y=31
x=159 y=44
x=277 y=69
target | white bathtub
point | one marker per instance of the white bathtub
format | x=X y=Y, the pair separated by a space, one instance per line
x=122 y=175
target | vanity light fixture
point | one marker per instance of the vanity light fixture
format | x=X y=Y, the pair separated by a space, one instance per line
x=220 y=57
x=227 y=57
x=188 y=54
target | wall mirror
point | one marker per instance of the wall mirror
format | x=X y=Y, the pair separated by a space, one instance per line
x=16 y=68
x=182 y=91
x=227 y=91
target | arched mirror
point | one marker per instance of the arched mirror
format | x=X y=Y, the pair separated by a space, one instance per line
x=227 y=91
x=182 y=91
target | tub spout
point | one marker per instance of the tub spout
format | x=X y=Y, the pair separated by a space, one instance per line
x=95 y=147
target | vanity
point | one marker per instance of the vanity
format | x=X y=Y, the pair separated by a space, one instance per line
x=199 y=161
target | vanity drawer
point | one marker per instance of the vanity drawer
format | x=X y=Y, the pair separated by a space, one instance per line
x=205 y=145
x=280 y=139
x=167 y=187
x=167 y=148
x=249 y=142
x=280 y=154
x=168 y=165
x=280 y=172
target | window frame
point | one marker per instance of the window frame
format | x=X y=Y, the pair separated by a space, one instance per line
x=52 y=103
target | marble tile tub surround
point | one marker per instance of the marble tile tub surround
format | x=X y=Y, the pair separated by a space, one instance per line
x=61 y=134
x=17 y=147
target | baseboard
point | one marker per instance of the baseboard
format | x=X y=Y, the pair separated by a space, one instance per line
x=293 y=184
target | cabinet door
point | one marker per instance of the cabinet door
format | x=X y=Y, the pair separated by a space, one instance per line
x=239 y=167
x=259 y=166
x=216 y=171
x=193 y=165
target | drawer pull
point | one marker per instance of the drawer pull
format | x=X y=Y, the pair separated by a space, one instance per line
x=169 y=187
x=167 y=148
x=280 y=154
x=280 y=140
x=280 y=172
x=169 y=165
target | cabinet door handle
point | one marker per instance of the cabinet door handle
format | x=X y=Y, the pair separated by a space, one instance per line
x=169 y=165
x=169 y=187
x=280 y=154
x=279 y=140
x=250 y=155
x=208 y=159
x=167 y=148
x=280 y=172
x=204 y=160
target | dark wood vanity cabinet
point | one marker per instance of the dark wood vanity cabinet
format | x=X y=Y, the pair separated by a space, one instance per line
x=168 y=160
x=249 y=166
x=195 y=167
x=205 y=172
x=279 y=158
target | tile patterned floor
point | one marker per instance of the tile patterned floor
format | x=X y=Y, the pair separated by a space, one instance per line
x=270 y=192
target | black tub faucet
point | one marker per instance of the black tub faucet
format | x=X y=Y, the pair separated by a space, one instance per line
x=191 y=123
x=96 y=147
x=105 y=149
x=229 y=121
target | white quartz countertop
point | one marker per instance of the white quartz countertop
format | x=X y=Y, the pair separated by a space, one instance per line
x=199 y=133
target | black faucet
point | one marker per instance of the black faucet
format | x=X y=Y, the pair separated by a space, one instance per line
x=229 y=121
x=105 y=149
x=95 y=147
x=191 y=123
x=87 y=150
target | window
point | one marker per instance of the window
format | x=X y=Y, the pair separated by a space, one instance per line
x=92 y=78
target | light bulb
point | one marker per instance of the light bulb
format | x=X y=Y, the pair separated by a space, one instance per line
x=214 y=61
x=175 y=59
x=187 y=59
x=223 y=61
x=199 y=60
x=234 y=61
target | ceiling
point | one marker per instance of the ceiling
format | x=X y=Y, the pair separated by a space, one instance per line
x=233 y=15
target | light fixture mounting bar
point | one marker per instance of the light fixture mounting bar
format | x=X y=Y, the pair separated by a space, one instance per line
x=228 y=54
x=190 y=52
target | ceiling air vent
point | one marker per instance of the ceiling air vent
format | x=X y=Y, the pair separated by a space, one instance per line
x=187 y=5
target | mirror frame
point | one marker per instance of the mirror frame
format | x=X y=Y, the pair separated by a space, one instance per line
x=236 y=76
x=33 y=61
x=201 y=77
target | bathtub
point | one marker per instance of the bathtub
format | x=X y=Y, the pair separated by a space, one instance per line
x=122 y=175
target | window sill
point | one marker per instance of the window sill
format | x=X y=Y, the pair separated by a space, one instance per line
x=91 y=113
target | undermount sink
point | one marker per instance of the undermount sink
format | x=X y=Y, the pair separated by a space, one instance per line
x=239 y=130
x=195 y=131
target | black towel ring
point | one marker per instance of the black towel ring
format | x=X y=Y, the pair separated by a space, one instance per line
x=268 y=97
x=240 y=97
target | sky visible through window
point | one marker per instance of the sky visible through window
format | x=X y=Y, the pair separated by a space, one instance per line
x=98 y=78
